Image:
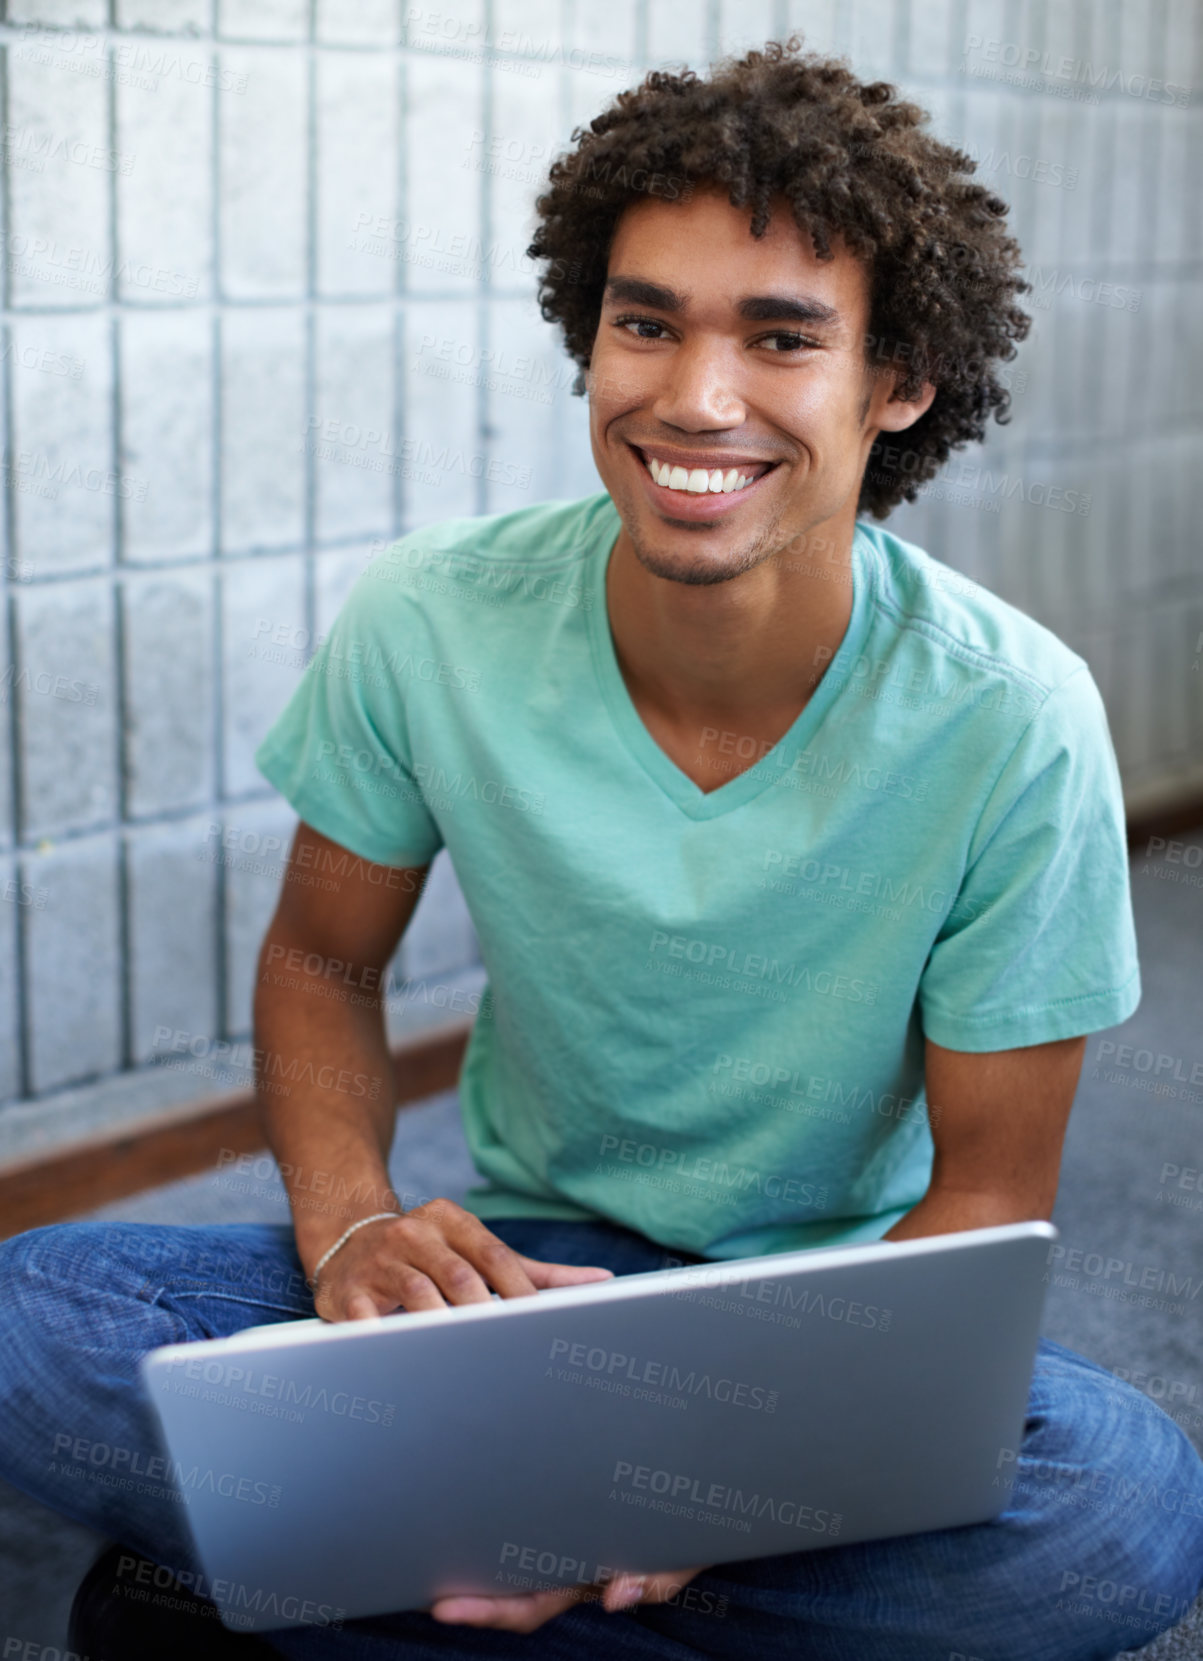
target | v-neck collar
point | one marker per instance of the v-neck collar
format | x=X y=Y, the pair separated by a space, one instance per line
x=692 y=800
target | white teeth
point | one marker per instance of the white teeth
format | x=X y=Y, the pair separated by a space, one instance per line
x=697 y=480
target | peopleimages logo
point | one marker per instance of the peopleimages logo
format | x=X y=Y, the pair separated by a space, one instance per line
x=74 y=1455
x=614 y=1364
x=705 y=1168
x=680 y=1493
x=810 y=767
x=239 y=1603
x=248 y=1381
x=787 y=1082
x=710 y=1284
x=1148 y=1277
x=714 y=954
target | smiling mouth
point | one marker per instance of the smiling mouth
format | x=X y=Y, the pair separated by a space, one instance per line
x=702 y=481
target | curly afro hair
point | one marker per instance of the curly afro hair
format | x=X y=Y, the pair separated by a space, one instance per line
x=854 y=162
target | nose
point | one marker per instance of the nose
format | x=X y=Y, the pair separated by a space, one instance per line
x=697 y=392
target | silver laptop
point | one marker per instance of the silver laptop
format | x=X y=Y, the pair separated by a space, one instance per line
x=687 y=1416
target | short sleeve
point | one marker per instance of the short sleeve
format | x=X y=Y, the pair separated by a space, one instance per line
x=338 y=752
x=1041 y=943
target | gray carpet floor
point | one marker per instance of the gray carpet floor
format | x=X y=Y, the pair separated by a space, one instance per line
x=1112 y=1200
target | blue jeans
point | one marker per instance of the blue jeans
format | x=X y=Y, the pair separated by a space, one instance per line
x=1099 y=1547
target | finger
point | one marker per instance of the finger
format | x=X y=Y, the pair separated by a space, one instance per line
x=451 y=1272
x=393 y=1286
x=499 y=1264
x=623 y=1592
x=563 y=1274
x=510 y=1273
x=522 y=1613
x=355 y=1302
x=626 y=1590
x=417 y=1263
x=361 y=1306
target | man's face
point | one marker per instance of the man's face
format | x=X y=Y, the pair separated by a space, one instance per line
x=751 y=353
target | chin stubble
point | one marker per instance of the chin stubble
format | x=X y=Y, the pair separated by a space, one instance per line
x=700 y=575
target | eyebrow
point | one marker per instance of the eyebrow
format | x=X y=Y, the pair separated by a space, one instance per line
x=756 y=308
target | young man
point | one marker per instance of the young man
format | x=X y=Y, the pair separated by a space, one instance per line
x=797 y=864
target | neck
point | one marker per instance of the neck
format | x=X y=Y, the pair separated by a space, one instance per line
x=739 y=651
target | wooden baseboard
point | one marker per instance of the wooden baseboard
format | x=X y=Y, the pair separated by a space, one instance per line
x=112 y=1166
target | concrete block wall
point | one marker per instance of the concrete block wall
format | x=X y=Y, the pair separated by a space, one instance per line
x=264 y=265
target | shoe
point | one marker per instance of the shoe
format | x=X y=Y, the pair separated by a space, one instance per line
x=111 y=1621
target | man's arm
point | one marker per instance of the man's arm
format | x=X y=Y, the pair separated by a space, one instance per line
x=998 y=1123
x=318 y=1014
x=327 y=1095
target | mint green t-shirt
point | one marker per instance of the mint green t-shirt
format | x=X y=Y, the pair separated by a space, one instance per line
x=706 y=1011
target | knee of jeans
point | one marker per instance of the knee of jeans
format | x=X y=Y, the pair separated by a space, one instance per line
x=26 y=1259
x=63 y=1290
x=35 y=1277
x=1127 y=1492
x=1158 y=1492
x=34 y=1327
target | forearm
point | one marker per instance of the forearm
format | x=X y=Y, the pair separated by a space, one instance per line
x=945 y=1210
x=326 y=1091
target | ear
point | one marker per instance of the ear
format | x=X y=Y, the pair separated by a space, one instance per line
x=893 y=415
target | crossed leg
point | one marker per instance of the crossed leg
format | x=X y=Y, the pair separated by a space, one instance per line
x=1099 y=1547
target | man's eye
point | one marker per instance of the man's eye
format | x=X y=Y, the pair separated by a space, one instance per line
x=640 y=322
x=794 y=342
x=652 y=329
